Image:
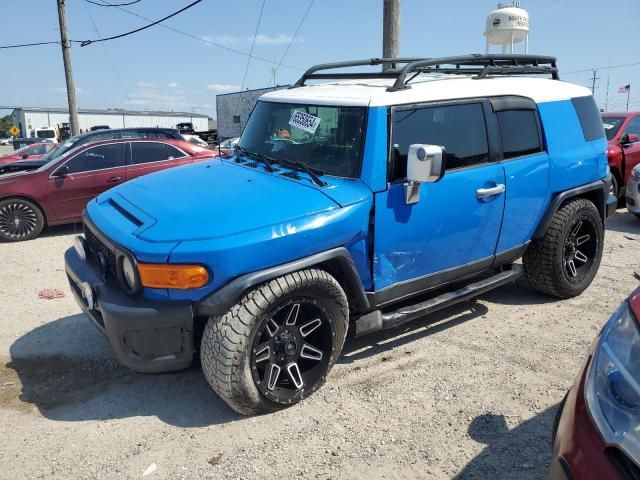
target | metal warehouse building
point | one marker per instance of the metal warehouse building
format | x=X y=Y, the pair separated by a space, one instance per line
x=29 y=118
x=233 y=110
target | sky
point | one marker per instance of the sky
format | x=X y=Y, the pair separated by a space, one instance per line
x=162 y=69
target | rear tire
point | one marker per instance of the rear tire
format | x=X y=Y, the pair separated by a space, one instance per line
x=614 y=189
x=564 y=262
x=20 y=220
x=276 y=346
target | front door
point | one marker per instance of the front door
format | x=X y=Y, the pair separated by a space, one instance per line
x=454 y=228
x=87 y=174
x=631 y=150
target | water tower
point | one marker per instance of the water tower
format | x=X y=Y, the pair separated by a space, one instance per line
x=507 y=26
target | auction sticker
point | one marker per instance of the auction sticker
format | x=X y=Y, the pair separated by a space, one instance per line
x=304 y=121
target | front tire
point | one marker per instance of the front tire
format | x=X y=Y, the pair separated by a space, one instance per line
x=564 y=262
x=276 y=346
x=20 y=220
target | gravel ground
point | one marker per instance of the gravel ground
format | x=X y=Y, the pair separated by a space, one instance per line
x=468 y=392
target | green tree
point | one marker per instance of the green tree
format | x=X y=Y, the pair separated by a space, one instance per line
x=5 y=122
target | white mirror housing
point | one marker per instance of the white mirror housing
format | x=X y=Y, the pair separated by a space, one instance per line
x=425 y=164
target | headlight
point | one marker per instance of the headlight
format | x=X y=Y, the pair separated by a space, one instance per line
x=80 y=245
x=129 y=274
x=635 y=174
x=613 y=383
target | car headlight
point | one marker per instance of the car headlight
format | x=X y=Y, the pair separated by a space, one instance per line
x=80 y=246
x=635 y=174
x=130 y=274
x=613 y=383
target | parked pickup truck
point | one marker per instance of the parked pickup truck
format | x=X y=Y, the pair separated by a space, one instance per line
x=623 y=150
x=359 y=204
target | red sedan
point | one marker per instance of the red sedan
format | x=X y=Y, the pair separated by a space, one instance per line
x=30 y=152
x=36 y=193
x=623 y=150
x=597 y=431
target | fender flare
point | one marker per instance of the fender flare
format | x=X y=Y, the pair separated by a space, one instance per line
x=600 y=187
x=220 y=301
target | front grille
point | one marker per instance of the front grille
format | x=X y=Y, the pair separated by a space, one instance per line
x=98 y=248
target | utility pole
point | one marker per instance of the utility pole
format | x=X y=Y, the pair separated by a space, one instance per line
x=606 y=98
x=593 y=82
x=390 y=31
x=66 y=58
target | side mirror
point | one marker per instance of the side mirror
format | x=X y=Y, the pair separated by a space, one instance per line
x=63 y=171
x=25 y=155
x=632 y=137
x=425 y=164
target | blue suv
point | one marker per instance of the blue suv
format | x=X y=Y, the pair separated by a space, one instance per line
x=355 y=204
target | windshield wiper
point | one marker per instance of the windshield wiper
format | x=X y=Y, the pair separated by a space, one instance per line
x=259 y=156
x=313 y=172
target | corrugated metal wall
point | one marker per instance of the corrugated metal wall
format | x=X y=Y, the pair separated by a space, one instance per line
x=28 y=120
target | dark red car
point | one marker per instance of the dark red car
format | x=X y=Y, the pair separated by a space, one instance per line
x=30 y=152
x=597 y=429
x=36 y=193
x=623 y=134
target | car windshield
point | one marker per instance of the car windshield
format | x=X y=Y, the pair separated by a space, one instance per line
x=325 y=138
x=611 y=126
x=45 y=134
x=62 y=148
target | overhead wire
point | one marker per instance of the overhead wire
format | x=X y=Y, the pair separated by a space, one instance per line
x=89 y=42
x=253 y=44
x=106 y=51
x=30 y=44
x=115 y=4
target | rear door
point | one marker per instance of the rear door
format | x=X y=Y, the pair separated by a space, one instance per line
x=90 y=172
x=453 y=230
x=149 y=157
x=631 y=150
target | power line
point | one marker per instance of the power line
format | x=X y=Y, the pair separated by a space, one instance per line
x=30 y=44
x=203 y=40
x=115 y=4
x=89 y=42
x=106 y=51
x=601 y=68
x=292 y=39
x=246 y=70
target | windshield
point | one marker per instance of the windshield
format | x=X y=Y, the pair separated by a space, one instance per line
x=45 y=134
x=611 y=126
x=325 y=138
x=62 y=148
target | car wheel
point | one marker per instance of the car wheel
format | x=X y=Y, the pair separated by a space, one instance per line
x=276 y=346
x=564 y=262
x=614 y=188
x=20 y=220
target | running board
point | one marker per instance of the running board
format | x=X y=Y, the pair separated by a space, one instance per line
x=376 y=320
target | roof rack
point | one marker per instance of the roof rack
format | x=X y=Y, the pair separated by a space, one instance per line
x=482 y=66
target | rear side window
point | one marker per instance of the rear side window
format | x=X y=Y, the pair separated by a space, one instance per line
x=633 y=127
x=460 y=129
x=147 y=152
x=519 y=132
x=589 y=117
x=98 y=158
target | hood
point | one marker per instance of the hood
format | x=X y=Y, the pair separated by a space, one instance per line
x=214 y=199
x=24 y=166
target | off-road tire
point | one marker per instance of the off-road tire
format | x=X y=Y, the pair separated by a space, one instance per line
x=28 y=211
x=544 y=259
x=227 y=341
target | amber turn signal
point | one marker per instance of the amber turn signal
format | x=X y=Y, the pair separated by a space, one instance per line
x=180 y=277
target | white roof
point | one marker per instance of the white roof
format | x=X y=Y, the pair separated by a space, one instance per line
x=427 y=88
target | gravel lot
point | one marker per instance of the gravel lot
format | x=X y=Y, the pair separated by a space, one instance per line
x=469 y=392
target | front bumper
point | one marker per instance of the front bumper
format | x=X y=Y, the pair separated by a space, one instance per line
x=146 y=336
x=578 y=449
x=633 y=196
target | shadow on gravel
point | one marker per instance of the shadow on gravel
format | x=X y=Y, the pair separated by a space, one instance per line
x=624 y=222
x=65 y=369
x=72 y=228
x=524 y=452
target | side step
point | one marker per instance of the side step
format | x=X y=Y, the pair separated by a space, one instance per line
x=376 y=320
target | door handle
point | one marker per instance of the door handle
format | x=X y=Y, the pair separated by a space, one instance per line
x=489 y=192
x=114 y=179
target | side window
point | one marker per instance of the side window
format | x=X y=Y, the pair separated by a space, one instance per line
x=460 y=129
x=589 y=116
x=38 y=150
x=519 y=132
x=173 y=152
x=101 y=137
x=98 y=158
x=634 y=126
x=147 y=152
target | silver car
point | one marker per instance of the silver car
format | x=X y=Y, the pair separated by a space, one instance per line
x=633 y=191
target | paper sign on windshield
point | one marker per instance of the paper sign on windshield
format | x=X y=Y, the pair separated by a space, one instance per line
x=304 y=121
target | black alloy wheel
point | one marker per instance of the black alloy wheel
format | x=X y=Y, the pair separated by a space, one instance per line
x=291 y=350
x=19 y=220
x=580 y=249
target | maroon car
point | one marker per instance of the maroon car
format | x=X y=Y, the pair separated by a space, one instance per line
x=597 y=430
x=36 y=193
x=30 y=152
x=623 y=151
